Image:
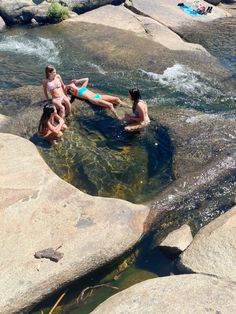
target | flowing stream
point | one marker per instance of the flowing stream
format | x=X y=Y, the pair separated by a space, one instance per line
x=97 y=156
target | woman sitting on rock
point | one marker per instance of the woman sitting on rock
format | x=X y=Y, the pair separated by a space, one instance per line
x=54 y=84
x=97 y=99
x=51 y=125
x=139 y=116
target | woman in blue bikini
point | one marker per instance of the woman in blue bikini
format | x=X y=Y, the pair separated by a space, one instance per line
x=97 y=99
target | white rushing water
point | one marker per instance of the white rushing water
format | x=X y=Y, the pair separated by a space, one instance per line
x=181 y=78
x=43 y=48
x=96 y=67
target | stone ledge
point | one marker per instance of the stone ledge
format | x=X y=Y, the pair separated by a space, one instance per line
x=38 y=211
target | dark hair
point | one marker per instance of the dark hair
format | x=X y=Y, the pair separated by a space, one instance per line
x=47 y=111
x=69 y=92
x=135 y=94
x=49 y=69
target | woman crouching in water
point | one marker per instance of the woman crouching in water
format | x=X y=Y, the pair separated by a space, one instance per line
x=139 y=117
x=55 y=86
x=51 y=125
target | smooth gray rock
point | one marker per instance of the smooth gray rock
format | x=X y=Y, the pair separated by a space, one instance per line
x=213 y=250
x=122 y=18
x=22 y=11
x=214 y=2
x=81 y=6
x=13 y=11
x=183 y=294
x=177 y=241
x=25 y=11
x=2 y=24
x=38 y=210
x=170 y=15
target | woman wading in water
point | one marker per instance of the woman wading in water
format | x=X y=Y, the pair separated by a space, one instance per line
x=139 y=117
x=97 y=99
x=51 y=125
x=54 y=84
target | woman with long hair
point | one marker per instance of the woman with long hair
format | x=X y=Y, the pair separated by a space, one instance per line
x=139 y=117
x=95 y=98
x=51 y=125
x=55 y=86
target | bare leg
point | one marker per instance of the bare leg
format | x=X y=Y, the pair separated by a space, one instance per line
x=52 y=137
x=113 y=99
x=103 y=103
x=134 y=127
x=57 y=103
x=67 y=104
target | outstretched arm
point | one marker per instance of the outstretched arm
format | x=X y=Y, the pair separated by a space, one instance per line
x=84 y=81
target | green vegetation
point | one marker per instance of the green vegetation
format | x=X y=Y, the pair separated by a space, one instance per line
x=58 y=12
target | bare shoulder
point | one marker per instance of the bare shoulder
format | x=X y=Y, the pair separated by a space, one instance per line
x=142 y=103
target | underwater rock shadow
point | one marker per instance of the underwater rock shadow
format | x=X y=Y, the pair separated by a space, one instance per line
x=39 y=141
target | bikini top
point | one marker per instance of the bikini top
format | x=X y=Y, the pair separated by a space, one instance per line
x=54 y=84
x=81 y=90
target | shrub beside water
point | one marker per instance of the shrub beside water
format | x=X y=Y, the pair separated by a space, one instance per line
x=58 y=12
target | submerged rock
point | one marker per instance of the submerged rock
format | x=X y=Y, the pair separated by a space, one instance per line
x=4 y=120
x=39 y=210
x=204 y=165
x=175 y=294
x=213 y=249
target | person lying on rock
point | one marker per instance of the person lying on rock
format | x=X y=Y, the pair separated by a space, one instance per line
x=54 y=84
x=101 y=100
x=139 y=116
x=51 y=125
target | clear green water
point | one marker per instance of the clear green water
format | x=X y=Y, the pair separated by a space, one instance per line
x=96 y=155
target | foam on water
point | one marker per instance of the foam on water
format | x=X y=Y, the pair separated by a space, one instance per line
x=183 y=79
x=40 y=47
x=97 y=67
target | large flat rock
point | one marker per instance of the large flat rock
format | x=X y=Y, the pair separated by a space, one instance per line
x=39 y=211
x=169 y=14
x=122 y=18
x=213 y=250
x=183 y=294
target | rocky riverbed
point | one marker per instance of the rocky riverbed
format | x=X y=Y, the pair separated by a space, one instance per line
x=39 y=206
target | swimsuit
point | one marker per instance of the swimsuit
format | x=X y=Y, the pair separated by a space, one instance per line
x=96 y=96
x=54 y=85
x=135 y=114
x=81 y=90
x=146 y=120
